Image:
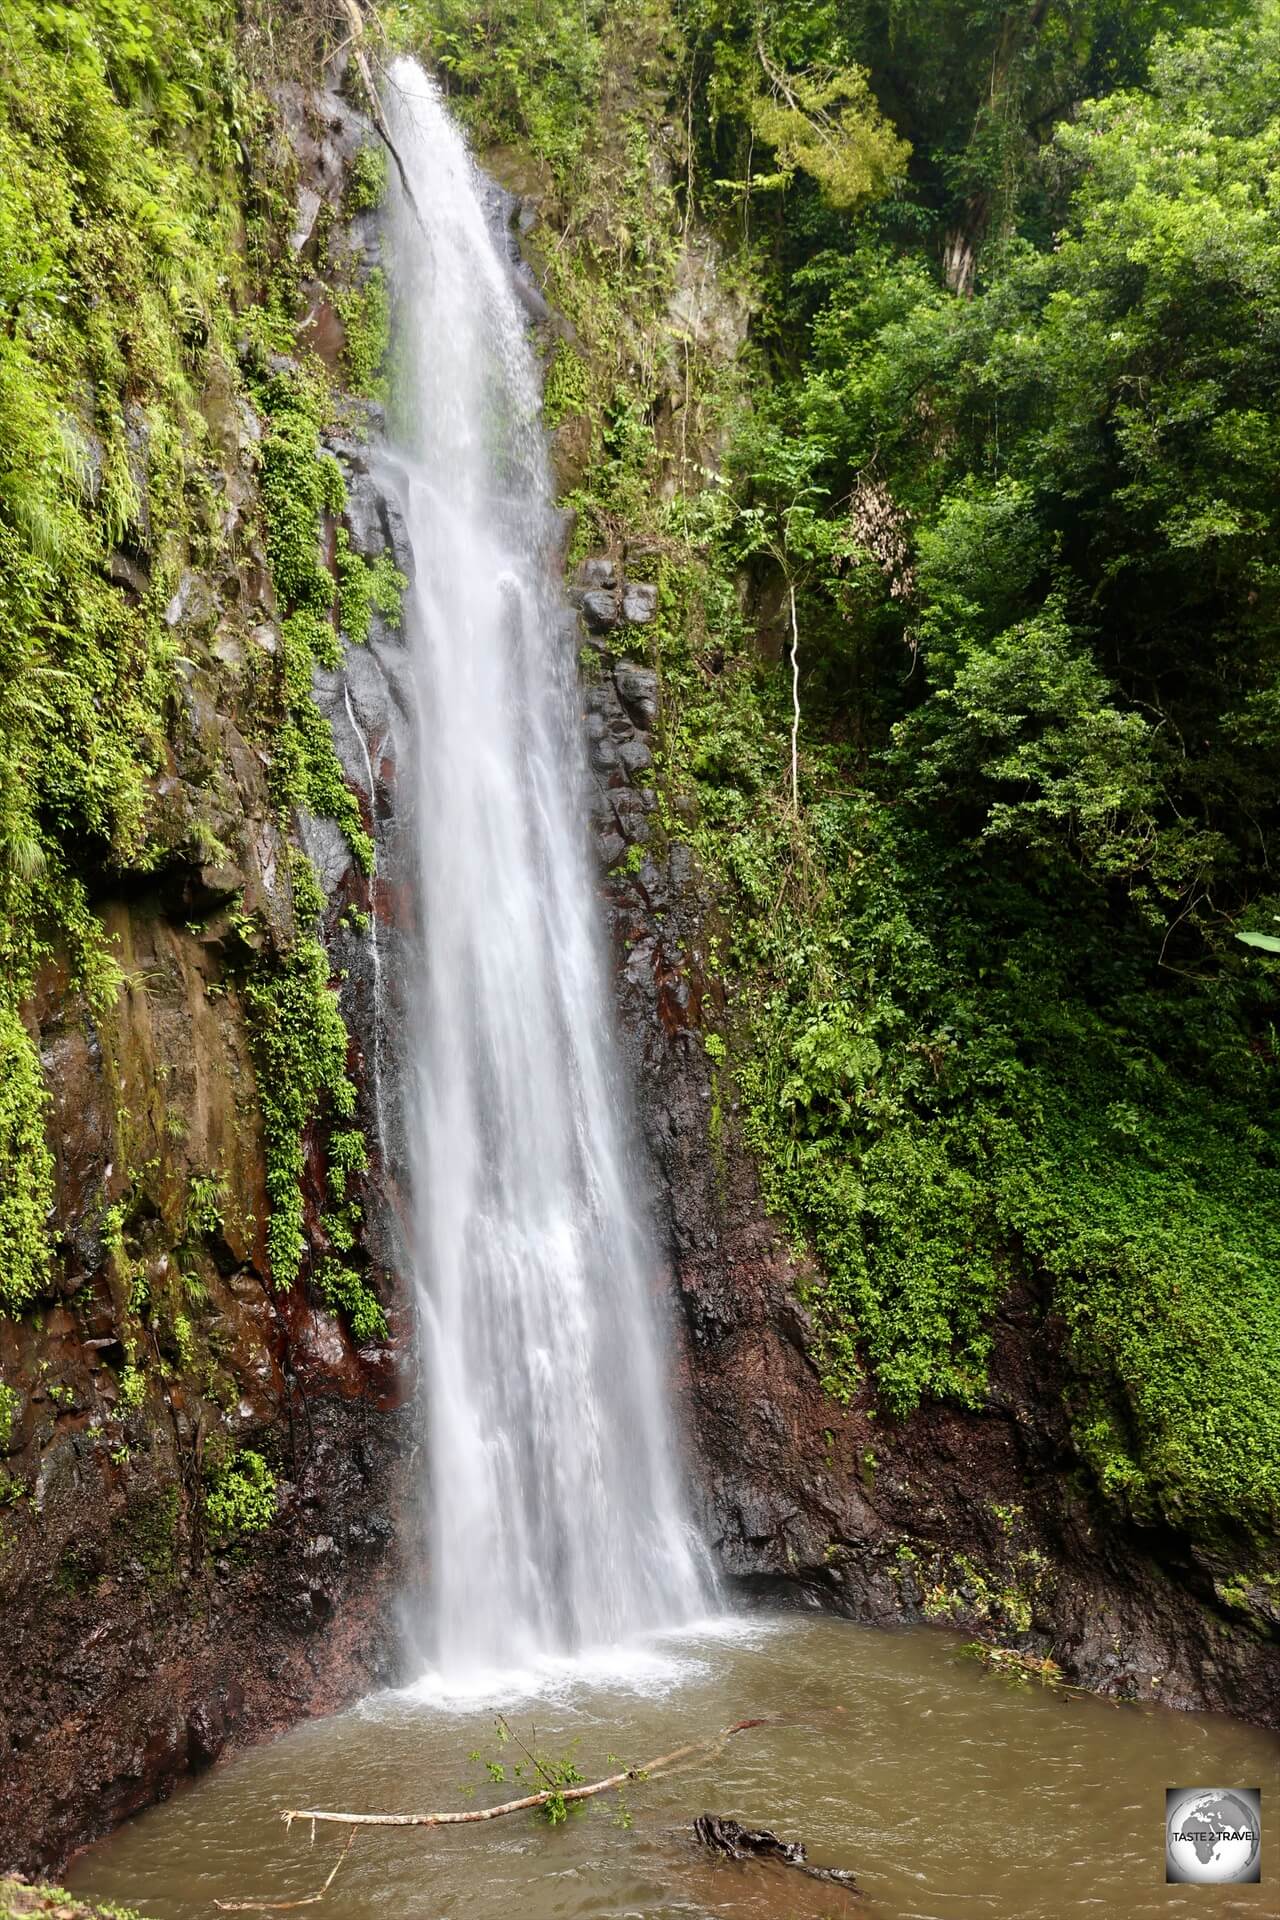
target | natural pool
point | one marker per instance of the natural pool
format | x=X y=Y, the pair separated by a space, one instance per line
x=952 y=1793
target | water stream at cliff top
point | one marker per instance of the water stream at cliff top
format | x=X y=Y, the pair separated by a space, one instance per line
x=556 y=1520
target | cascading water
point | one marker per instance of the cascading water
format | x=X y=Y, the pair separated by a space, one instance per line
x=556 y=1517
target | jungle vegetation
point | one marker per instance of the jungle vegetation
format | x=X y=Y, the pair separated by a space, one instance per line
x=1002 y=964
x=147 y=288
x=1003 y=970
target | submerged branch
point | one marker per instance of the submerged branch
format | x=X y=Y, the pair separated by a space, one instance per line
x=285 y=1906
x=527 y=1801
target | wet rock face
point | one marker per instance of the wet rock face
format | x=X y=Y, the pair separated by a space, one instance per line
x=140 y=1641
x=608 y=601
x=978 y=1520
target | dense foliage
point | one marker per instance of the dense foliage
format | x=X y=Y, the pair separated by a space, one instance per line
x=110 y=245
x=146 y=291
x=1034 y=533
x=1005 y=434
x=1007 y=429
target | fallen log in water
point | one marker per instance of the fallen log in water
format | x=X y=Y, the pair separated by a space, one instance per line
x=527 y=1801
x=692 y=1749
x=726 y=1836
x=742 y=1843
x=286 y=1906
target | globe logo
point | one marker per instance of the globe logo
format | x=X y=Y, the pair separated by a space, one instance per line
x=1213 y=1835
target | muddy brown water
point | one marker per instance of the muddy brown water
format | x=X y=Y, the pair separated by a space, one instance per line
x=952 y=1793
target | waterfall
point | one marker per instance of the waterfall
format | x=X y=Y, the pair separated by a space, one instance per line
x=556 y=1519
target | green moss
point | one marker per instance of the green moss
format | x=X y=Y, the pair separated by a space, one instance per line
x=131 y=151
x=297 y=482
x=366 y=586
x=954 y=1586
x=18 y=1901
x=365 y=313
x=26 y=1167
x=300 y=1052
x=300 y=484
x=132 y=1387
x=305 y=770
x=10 y=1405
x=1013 y=1665
x=346 y=1292
x=308 y=895
x=115 y=245
x=206 y=1200
x=299 y=1039
x=567 y=388
x=348 y=1158
x=367 y=179
x=315 y=634
x=241 y=1496
x=339 y=1227
x=149 y=1532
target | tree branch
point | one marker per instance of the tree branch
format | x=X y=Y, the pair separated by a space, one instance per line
x=284 y=1906
x=528 y=1800
x=355 y=20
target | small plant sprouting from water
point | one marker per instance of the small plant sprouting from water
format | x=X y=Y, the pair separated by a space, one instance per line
x=541 y=1772
x=1015 y=1665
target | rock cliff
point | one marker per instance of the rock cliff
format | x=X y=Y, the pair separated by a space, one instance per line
x=201 y=1469
x=159 y=1607
x=978 y=1520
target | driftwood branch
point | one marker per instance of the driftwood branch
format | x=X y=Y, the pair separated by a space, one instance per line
x=285 y=1906
x=737 y=1842
x=662 y=1764
x=355 y=21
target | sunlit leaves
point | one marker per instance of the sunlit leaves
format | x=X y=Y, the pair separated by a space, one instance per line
x=827 y=124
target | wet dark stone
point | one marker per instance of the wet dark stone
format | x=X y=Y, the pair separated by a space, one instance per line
x=639 y=603
x=600 y=610
x=126 y=572
x=638 y=691
x=398 y=537
x=206 y=1734
x=365 y=516
x=635 y=756
x=596 y=571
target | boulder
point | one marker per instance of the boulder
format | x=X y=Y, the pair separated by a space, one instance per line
x=639 y=603
x=600 y=610
x=638 y=692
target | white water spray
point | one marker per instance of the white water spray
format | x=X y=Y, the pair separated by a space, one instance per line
x=556 y=1517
